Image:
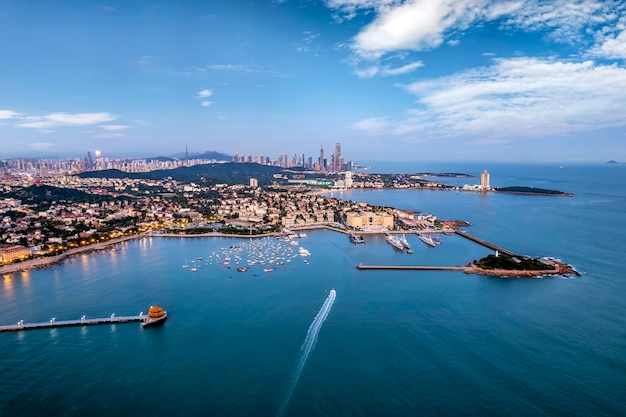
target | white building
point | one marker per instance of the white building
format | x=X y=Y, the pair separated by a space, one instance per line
x=348 y=180
x=484 y=180
x=254 y=182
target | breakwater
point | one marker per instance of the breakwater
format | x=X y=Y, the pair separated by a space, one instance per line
x=483 y=242
x=413 y=267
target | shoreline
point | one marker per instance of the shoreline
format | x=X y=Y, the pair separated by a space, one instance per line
x=43 y=262
x=47 y=261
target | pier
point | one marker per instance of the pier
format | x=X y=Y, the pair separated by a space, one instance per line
x=483 y=242
x=83 y=321
x=413 y=267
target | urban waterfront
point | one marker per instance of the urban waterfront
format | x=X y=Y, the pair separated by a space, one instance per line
x=393 y=343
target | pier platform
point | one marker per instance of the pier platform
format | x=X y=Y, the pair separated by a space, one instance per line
x=84 y=321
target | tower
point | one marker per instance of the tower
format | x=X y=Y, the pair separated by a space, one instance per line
x=484 y=180
x=321 y=161
x=186 y=155
x=337 y=159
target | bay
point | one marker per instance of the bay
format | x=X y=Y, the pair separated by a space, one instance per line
x=397 y=343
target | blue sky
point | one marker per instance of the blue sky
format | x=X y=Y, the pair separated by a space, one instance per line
x=483 y=80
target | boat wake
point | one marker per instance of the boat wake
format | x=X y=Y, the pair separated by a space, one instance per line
x=308 y=346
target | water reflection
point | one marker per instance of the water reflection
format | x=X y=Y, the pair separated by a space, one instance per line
x=25 y=275
x=8 y=284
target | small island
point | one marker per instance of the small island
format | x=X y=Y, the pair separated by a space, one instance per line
x=532 y=191
x=504 y=265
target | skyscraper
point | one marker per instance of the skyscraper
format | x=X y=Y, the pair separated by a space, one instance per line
x=337 y=159
x=321 y=160
x=484 y=180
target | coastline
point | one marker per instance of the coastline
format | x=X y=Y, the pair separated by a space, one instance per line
x=45 y=261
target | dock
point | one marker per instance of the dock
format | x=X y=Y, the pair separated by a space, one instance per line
x=83 y=321
x=483 y=242
x=413 y=267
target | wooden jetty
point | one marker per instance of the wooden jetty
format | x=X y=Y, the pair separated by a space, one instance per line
x=414 y=267
x=483 y=242
x=83 y=321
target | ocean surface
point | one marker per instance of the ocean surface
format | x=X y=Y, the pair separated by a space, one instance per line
x=391 y=343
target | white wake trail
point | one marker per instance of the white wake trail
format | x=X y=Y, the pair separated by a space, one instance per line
x=308 y=345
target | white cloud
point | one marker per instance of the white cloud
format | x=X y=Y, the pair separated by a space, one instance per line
x=204 y=93
x=613 y=47
x=8 y=114
x=110 y=135
x=416 y=24
x=373 y=125
x=419 y=25
x=306 y=44
x=41 y=146
x=146 y=60
x=520 y=97
x=206 y=103
x=65 y=119
x=114 y=127
x=453 y=42
x=386 y=70
x=403 y=69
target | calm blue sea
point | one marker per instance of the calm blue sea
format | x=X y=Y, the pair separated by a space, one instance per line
x=397 y=343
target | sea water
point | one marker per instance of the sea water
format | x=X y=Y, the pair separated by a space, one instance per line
x=400 y=343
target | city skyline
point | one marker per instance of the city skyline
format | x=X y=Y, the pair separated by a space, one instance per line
x=470 y=80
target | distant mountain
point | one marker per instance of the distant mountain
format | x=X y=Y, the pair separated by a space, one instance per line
x=612 y=162
x=218 y=173
x=218 y=156
x=160 y=159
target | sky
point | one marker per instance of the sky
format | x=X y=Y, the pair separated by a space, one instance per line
x=393 y=80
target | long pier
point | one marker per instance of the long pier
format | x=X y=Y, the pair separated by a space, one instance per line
x=83 y=321
x=484 y=243
x=413 y=267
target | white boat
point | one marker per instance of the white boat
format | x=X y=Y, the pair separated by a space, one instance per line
x=430 y=240
x=395 y=242
x=185 y=266
x=405 y=242
x=303 y=252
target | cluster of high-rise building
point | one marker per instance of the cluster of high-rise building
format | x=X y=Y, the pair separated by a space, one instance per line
x=92 y=162
x=333 y=163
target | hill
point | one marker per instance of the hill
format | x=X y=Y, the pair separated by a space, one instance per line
x=46 y=193
x=530 y=190
x=226 y=173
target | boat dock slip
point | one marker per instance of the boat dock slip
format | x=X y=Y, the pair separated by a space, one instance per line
x=414 y=267
x=53 y=323
x=484 y=243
